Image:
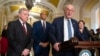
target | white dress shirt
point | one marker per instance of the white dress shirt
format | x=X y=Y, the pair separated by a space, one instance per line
x=44 y=22
x=66 y=29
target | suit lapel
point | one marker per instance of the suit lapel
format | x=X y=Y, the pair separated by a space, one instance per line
x=40 y=24
x=73 y=23
x=62 y=26
x=20 y=26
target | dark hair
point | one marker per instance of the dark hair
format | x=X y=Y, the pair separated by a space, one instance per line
x=4 y=31
x=92 y=31
x=81 y=21
x=97 y=29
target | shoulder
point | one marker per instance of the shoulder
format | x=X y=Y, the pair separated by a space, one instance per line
x=59 y=18
x=13 y=22
x=36 y=23
x=74 y=20
x=28 y=25
x=48 y=22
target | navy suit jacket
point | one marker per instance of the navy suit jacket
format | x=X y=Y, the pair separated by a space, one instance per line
x=57 y=34
x=57 y=30
x=39 y=35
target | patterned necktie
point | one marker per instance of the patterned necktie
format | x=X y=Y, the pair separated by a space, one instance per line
x=69 y=29
x=24 y=28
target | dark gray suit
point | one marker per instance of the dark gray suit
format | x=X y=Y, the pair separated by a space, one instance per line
x=17 y=38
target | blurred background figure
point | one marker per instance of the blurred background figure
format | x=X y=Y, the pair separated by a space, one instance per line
x=92 y=32
x=40 y=36
x=98 y=34
x=4 y=41
x=84 y=32
x=98 y=37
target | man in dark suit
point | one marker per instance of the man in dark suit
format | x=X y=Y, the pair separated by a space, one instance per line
x=19 y=35
x=63 y=29
x=40 y=32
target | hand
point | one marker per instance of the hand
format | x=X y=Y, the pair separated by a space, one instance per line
x=25 y=52
x=56 y=46
x=44 y=44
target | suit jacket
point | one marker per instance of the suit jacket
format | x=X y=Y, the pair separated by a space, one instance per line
x=17 y=38
x=39 y=35
x=57 y=31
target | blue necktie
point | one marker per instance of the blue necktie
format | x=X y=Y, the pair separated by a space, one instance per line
x=69 y=29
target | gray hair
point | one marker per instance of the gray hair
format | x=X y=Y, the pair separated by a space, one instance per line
x=67 y=5
x=22 y=9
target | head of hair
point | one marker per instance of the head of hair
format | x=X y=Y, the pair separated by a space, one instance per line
x=81 y=21
x=97 y=29
x=67 y=4
x=4 y=31
x=44 y=11
x=22 y=9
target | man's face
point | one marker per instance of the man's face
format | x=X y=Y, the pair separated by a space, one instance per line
x=43 y=15
x=69 y=10
x=24 y=15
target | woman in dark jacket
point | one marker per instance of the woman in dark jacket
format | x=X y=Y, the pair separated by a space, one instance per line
x=85 y=34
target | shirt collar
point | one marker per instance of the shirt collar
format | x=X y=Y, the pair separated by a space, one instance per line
x=67 y=19
x=21 y=21
x=43 y=21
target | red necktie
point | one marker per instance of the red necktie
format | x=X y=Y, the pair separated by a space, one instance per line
x=24 y=28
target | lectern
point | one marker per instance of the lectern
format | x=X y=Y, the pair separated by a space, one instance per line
x=84 y=45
